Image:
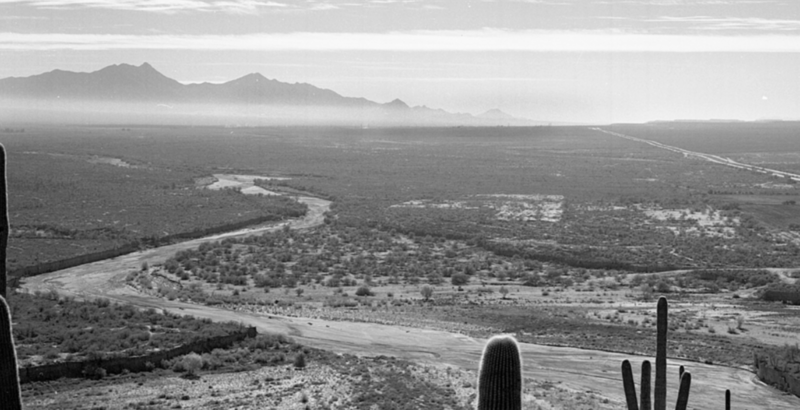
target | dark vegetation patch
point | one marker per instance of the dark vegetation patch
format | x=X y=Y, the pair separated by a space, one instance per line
x=49 y=328
x=329 y=256
x=249 y=354
x=61 y=205
x=780 y=292
x=729 y=279
x=780 y=367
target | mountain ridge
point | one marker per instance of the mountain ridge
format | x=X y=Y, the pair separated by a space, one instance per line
x=126 y=83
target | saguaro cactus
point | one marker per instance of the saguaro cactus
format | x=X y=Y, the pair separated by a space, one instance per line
x=4 y=226
x=660 y=393
x=500 y=375
x=727 y=400
x=9 y=374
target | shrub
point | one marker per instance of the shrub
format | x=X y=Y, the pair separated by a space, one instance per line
x=531 y=279
x=192 y=363
x=459 y=279
x=364 y=291
x=503 y=291
x=426 y=292
x=300 y=361
x=92 y=371
x=663 y=287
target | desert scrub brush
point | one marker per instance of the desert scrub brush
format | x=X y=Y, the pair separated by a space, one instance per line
x=500 y=375
x=9 y=374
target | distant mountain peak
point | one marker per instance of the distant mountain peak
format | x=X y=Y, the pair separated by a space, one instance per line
x=144 y=70
x=496 y=114
x=396 y=103
x=251 y=78
x=146 y=67
x=125 y=66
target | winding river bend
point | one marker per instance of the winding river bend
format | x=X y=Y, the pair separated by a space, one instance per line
x=582 y=370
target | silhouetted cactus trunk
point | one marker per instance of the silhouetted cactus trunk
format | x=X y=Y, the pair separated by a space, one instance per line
x=4 y=226
x=660 y=393
x=9 y=374
x=683 y=392
x=627 y=384
x=727 y=400
x=645 y=399
x=500 y=375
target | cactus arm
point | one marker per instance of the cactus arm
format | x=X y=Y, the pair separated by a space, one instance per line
x=645 y=399
x=683 y=393
x=4 y=226
x=727 y=399
x=660 y=393
x=627 y=383
x=500 y=375
x=680 y=373
x=9 y=373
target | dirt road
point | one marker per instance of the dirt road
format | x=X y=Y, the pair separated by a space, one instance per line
x=708 y=157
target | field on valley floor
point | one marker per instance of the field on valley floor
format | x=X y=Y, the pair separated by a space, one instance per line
x=583 y=229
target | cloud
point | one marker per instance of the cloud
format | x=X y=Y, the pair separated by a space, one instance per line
x=693 y=2
x=226 y=6
x=732 y=23
x=446 y=40
x=24 y=18
x=156 y=6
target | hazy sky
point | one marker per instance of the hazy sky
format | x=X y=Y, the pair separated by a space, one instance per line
x=554 y=60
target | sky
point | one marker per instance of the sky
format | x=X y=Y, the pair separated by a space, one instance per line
x=585 y=61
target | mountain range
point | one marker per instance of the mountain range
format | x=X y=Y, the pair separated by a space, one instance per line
x=246 y=99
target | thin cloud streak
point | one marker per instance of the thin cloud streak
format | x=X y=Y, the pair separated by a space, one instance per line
x=156 y=6
x=420 y=41
x=732 y=23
